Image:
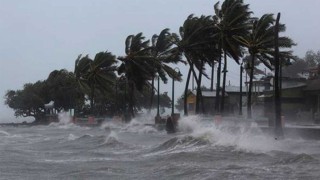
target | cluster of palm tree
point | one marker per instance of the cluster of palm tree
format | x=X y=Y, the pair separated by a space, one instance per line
x=142 y=63
x=231 y=32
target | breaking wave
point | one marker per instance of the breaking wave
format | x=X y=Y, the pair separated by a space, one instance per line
x=4 y=133
x=140 y=125
x=182 y=143
x=246 y=137
x=296 y=159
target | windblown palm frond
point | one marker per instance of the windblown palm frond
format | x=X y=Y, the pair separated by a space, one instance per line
x=97 y=74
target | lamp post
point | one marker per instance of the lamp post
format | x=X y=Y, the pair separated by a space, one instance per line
x=172 y=102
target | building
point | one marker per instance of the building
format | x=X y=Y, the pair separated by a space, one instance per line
x=232 y=99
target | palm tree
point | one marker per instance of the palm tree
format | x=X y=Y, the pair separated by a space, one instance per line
x=163 y=53
x=96 y=74
x=231 y=20
x=260 y=45
x=196 y=44
x=135 y=66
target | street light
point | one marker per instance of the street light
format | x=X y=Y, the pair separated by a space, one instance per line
x=177 y=70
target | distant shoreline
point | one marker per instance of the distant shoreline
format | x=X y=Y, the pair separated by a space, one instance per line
x=22 y=124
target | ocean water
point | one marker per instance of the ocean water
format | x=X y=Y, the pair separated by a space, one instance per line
x=200 y=150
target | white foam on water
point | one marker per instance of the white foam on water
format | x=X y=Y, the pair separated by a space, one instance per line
x=134 y=125
x=243 y=136
x=112 y=137
x=111 y=124
x=147 y=130
x=143 y=124
x=4 y=133
x=72 y=137
x=65 y=122
x=72 y=160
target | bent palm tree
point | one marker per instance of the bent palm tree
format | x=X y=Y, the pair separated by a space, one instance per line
x=98 y=73
x=135 y=66
x=163 y=53
x=232 y=20
x=260 y=44
x=196 y=43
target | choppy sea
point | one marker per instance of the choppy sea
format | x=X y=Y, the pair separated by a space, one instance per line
x=200 y=150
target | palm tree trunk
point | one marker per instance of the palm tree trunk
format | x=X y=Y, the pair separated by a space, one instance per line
x=199 y=97
x=158 y=98
x=131 y=100
x=187 y=84
x=152 y=95
x=224 y=82
x=240 y=99
x=92 y=100
x=278 y=125
x=217 y=103
x=185 y=105
x=249 y=112
x=212 y=77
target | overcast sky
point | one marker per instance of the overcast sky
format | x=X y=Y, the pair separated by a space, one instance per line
x=39 y=36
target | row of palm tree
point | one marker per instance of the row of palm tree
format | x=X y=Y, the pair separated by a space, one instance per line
x=230 y=32
x=141 y=64
x=206 y=40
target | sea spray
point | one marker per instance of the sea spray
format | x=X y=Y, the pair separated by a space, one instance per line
x=111 y=138
x=64 y=118
x=139 y=125
x=196 y=127
x=147 y=130
x=72 y=137
x=65 y=122
x=242 y=135
x=107 y=125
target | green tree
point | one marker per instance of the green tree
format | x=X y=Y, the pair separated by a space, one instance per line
x=64 y=90
x=143 y=98
x=295 y=68
x=29 y=101
x=312 y=58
